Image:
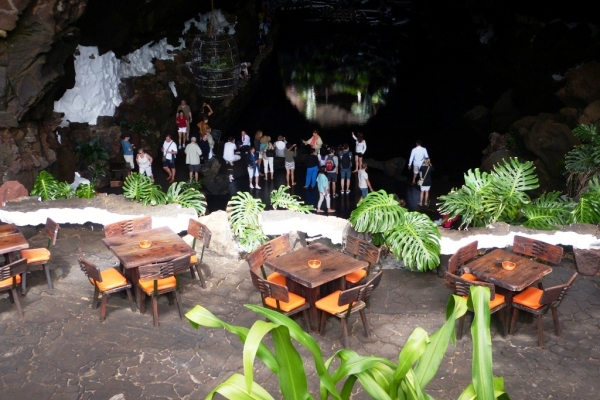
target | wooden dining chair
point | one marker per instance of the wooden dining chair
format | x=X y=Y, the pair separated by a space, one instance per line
x=41 y=256
x=199 y=232
x=342 y=304
x=361 y=250
x=10 y=277
x=105 y=282
x=537 y=249
x=127 y=226
x=272 y=248
x=161 y=278
x=278 y=297
x=497 y=301
x=460 y=258
x=537 y=302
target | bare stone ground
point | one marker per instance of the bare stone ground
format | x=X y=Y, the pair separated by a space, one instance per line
x=60 y=350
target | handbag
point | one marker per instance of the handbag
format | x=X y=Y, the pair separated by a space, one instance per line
x=422 y=178
x=270 y=152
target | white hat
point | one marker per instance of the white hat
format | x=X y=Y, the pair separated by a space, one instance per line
x=193 y=138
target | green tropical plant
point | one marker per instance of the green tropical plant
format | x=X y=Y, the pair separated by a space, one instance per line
x=91 y=152
x=64 y=191
x=280 y=198
x=187 y=198
x=587 y=209
x=243 y=212
x=85 y=191
x=487 y=198
x=156 y=196
x=548 y=211
x=45 y=186
x=411 y=236
x=139 y=127
x=193 y=184
x=582 y=163
x=96 y=170
x=381 y=378
x=137 y=186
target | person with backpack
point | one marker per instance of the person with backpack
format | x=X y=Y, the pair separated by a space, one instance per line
x=345 y=167
x=361 y=147
x=323 y=185
x=331 y=167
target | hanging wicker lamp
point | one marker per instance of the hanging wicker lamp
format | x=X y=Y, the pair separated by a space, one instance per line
x=215 y=61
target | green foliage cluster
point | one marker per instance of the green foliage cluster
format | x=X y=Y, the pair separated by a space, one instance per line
x=139 y=127
x=140 y=188
x=47 y=187
x=411 y=236
x=381 y=378
x=582 y=163
x=243 y=212
x=501 y=196
x=280 y=198
x=91 y=152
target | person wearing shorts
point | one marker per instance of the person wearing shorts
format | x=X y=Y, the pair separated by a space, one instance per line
x=363 y=181
x=332 y=175
x=253 y=167
x=361 y=148
x=417 y=156
x=192 y=158
x=182 y=126
x=345 y=171
x=169 y=150
x=425 y=174
x=128 y=150
x=144 y=162
x=290 y=164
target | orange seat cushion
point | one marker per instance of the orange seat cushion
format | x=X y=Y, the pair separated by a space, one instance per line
x=163 y=284
x=111 y=279
x=277 y=278
x=295 y=302
x=9 y=281
x=529 y=297
x=193 y=259
x=356 y=276
x=469 y=277
x=329 y=303
x=40 y=255
x=498 y=300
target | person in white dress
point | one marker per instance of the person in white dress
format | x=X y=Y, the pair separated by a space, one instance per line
x=417 y=156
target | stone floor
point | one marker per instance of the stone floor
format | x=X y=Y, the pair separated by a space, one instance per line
x=60 y=350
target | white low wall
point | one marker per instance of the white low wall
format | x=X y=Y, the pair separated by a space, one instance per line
x=280 y=222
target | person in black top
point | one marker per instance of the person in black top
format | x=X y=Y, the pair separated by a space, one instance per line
x=205 y=147
x=312 y=168
x=425 y=174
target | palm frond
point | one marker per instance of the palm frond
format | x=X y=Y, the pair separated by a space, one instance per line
x=548 y=211
x=467 y=203
x=45 y=186
x=416 y=240
x=186 y=198
x=137 y=187
x=587 y=133
x=155 y=197
x=583 y=158
x=377 y=212
x=280 y=198
x=243 y=211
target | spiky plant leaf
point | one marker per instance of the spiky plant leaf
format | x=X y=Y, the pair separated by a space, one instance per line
x=187 y=198
x=85 y=191
x=415 y=240
x=377 y=212
x=137 y=187
x=280 y=198
x=548 y=211
x=45 y=186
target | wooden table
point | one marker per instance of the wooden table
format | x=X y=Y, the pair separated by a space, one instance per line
x=166 y=246
x=488 y=268
x=312 y=283
x=11 y=241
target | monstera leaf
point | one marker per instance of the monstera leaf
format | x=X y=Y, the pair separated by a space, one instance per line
x=187 y=198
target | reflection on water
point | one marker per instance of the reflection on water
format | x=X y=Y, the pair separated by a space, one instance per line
x=341 y=79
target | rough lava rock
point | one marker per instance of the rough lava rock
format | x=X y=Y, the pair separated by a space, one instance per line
x=12 y=190
x=587 y=261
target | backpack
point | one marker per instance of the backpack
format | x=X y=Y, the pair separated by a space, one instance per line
x=346 y=161
x=329 y=164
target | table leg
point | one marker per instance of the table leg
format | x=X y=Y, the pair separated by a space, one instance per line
x=311 y=295
x=133 y=275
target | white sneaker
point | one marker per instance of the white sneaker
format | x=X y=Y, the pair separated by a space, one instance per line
x=183 y=146
x=258 y=187
x=179 y=147
x=251 y=186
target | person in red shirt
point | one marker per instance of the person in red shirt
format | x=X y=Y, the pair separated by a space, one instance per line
x=182 y=122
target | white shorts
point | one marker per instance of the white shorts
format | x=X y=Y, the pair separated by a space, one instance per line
x=425 y=188
x=147 y=170
x=417 y=166
x=182 y=130
x=252 y=172
x=129 y=159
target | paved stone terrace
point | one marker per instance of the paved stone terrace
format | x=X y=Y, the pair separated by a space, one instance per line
x=60 y=350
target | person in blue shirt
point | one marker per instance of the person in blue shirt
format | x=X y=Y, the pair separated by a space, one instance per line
x=323 y=185
x=253 y=172
x=128 y=150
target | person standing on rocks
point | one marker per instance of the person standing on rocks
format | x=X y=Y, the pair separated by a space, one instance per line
x=128 y=150
x=182 y=128
x=187 y=112
x=192 y=158
x=315 y=142
x=169 y=150
x=144 y=161
x=417 y=156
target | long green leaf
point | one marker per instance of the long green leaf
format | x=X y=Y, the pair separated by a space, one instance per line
x=292 y=377
x=413 y=349
x=234 y=388
x=253 y=341
x=201 y=316
x=483 y=376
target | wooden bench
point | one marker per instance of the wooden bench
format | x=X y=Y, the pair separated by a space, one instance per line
x=118 y=172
